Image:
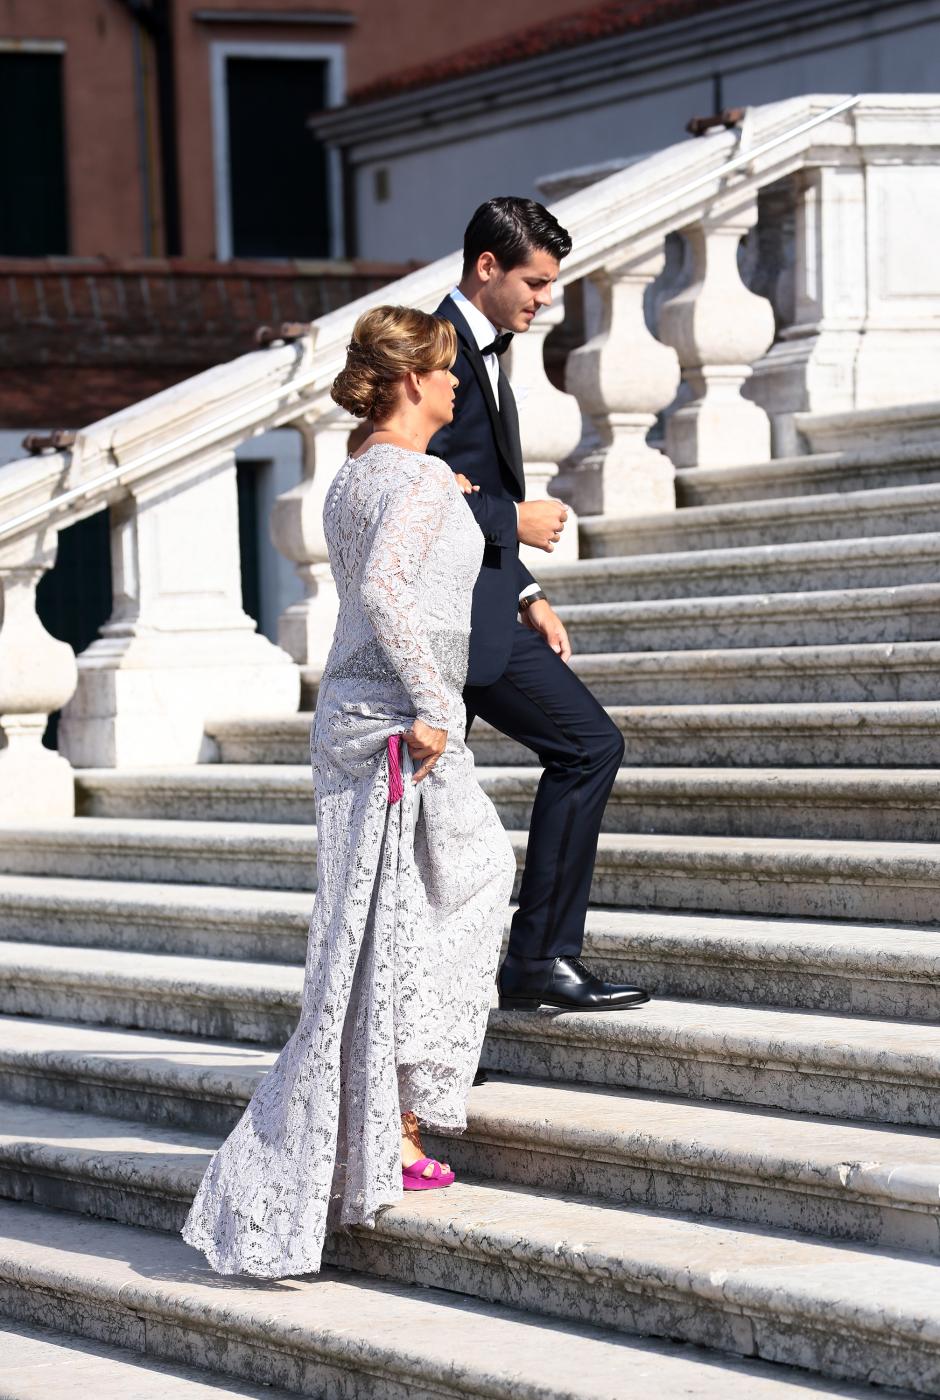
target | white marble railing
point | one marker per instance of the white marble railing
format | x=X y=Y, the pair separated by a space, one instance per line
x=857 y=297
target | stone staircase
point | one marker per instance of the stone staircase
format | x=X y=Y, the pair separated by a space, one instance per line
x=734 y=1192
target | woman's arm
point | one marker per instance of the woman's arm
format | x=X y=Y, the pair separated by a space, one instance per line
x=410 y=521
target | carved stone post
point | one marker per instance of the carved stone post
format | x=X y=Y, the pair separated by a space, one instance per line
x=621 y=378
x=178 y=649
x=37 y=676
x=549 y=425
x=305 y=629
x=719 y=328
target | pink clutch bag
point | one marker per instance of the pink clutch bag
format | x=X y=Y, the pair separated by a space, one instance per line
x=396 y=787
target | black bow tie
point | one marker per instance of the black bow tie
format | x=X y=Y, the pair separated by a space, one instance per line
x=500 y=344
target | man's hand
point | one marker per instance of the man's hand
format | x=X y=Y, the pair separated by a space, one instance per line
x=542 y=617
x=465 y=485
x=425 y=746
x=541 y=523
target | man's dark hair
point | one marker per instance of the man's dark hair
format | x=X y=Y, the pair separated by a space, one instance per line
x=512 y=229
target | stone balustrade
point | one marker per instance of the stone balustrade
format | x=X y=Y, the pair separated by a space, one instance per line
x=702 y=359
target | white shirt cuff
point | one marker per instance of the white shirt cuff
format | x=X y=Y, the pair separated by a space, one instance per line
x=530 y=588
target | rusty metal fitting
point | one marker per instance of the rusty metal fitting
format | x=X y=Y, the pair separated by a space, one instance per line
x=288 y=332
x=59 y=440
x=731 y=116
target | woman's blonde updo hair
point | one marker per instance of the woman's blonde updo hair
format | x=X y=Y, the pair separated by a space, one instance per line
x=388 y=343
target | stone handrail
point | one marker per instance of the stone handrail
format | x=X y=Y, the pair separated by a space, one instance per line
x=178 y=646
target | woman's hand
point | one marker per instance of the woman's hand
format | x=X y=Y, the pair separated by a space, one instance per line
x=425 y=746
x=464 y=483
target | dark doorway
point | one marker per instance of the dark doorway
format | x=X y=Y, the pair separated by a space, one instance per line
x=277 y=169
x=33 y=207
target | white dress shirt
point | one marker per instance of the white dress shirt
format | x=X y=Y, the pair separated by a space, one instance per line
x=484 y=333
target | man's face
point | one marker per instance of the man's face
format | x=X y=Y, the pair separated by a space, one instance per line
x=511 y=299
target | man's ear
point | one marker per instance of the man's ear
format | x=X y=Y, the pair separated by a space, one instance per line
x=486 y=266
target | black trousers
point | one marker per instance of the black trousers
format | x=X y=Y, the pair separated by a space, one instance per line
x=541 y=703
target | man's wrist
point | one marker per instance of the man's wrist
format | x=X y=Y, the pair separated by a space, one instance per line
x=529 y=597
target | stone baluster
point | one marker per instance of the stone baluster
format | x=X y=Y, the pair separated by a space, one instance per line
x=718 y=328
x=305 y=629
x=178 y=649
x=622 y=377
x=549 y=425
x=37 y=676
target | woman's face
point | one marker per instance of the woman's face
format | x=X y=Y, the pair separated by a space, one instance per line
x=438 y=395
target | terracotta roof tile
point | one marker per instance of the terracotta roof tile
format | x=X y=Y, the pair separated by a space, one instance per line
x=599 y=21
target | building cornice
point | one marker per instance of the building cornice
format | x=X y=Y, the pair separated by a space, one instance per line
x=565 y=80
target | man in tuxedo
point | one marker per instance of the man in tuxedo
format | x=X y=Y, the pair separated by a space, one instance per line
x=518 y=679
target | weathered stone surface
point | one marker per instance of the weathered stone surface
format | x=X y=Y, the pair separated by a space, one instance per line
x=834 y=516
x=340 y=1337
x=882 y=561
x=882 y=1070
x=863 y=468
x=841 y=1180
x=886 y=733
x=38 y=1361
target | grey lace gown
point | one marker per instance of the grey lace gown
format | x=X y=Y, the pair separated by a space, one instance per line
x=411 y=896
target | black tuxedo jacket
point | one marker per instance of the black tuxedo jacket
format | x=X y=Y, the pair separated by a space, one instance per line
x=483 y=443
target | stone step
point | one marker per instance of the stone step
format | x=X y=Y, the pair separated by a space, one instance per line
x=880 y=562
x=874 y=970
x=853 y=1181
x=870 y=969
x=343 y=1336
x=41 y=1361
x=836 y=515
x=888 y=734
x=860 y=469
x=881 y=1070
x=910 y=613
x=846 y=804
x=842 y=803
x=758 y=675
x=896 y=882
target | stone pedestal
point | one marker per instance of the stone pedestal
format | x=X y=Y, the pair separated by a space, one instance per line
x=37 y=676
x=865 y=331
x=178 y=648
x=549 y=426
x=305 y=629
x=622 y=377
x=718 y=328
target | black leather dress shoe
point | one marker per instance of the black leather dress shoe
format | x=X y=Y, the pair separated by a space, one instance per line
x=565 y=983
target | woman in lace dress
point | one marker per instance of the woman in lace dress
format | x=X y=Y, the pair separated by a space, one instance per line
x=414 y=875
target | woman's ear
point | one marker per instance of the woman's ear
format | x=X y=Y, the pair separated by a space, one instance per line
x=413 y=385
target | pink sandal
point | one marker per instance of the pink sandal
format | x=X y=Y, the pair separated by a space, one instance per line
x=412 y=1178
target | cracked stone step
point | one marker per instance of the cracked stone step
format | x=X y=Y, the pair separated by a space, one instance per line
x=894 y=510
x=868 y=969
x=891 y=881
x=876 y=1069
x=887 y=734
x=40 y=1361
x=857 y=672
x=842 y=803
x=343 y=1335
x=859 y=469
x=910 y=613
x=881 y=561
x=852 y=1181
x=849 y=1309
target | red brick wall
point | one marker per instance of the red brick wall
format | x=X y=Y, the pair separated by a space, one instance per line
x=81 y=338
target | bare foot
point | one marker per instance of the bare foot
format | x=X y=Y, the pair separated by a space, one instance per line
x=411 y=1149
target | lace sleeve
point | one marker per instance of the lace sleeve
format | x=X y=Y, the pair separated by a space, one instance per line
x=411 y=517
